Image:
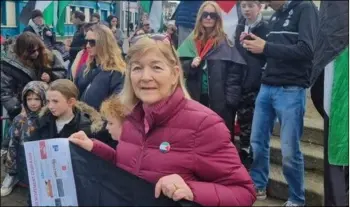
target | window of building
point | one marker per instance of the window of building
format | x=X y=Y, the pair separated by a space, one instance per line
x=3 y=12
x=72 y=9
x=82 y=9
x=104 y=15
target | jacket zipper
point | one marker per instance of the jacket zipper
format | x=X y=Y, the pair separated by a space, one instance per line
x=138 y=164
x=208 y=77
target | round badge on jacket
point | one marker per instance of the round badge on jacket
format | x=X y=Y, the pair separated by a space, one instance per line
x=164 y=147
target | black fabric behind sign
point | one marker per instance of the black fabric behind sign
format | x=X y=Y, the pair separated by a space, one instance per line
x=100 y=183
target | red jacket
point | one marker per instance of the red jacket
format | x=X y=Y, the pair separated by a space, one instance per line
x=200 y=152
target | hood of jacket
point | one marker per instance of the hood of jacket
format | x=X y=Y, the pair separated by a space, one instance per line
x=37 y=87
x=97 y=123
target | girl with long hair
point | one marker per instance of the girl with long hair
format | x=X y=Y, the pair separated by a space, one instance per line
x=113 y=23
x=103 y=74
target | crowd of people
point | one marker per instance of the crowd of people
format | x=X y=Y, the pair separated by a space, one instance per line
x=167 y=119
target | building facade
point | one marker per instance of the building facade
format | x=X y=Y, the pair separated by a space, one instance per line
x=10 y=12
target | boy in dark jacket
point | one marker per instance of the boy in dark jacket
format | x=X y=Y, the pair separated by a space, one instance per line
x=23 y=126
x=251 y=22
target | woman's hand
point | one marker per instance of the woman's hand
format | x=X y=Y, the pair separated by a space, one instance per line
x=81 y=139
x=45 y=77
x=174 y=187
x=196 y=61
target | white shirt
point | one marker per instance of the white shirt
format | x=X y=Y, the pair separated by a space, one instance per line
x=60 y=123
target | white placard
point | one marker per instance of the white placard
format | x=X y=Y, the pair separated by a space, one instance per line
x=50 y=173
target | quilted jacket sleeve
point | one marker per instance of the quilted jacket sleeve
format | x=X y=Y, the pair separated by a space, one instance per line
x=233 y=84
x=8 y=97
x=223 y=180
x=58 y=69
x=104 y=151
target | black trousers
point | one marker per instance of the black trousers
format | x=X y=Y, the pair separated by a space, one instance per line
x=245 y=114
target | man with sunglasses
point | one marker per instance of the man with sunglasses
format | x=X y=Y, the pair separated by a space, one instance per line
x=289 y=51
x=146 y=26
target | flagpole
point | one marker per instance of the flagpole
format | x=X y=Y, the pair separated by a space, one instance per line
x=128 y=28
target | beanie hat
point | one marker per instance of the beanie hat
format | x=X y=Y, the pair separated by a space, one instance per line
x=36 y=13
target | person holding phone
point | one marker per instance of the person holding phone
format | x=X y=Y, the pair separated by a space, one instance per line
x=289 y=51
x=251 y=22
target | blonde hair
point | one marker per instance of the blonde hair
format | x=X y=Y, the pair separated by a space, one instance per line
x=108 y=52
x=66 y=87
x=113 y=107
x=140 y=48
x=218 y=33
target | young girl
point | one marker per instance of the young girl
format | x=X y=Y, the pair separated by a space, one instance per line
x=113 y=111
x=64 y=115
x=33 y=98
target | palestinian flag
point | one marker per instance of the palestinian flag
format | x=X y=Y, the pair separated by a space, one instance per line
x=332 y=57
x=154 y=9
x=53 y=13
x=230 y=19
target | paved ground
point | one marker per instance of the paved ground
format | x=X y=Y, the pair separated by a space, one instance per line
x=17 y=198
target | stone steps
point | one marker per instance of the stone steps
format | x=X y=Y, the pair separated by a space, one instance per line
x=313 y=154
x=269 y=202
x=278 y=187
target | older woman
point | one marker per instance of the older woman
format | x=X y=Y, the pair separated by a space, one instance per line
x=103 y=74
x=170 y=140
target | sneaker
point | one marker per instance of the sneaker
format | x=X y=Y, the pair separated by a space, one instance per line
x=8 y=184
x=261 y=194
x=290 y=203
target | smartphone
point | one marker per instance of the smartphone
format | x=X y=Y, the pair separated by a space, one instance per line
x=248 y=37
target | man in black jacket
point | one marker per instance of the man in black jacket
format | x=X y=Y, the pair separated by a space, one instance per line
x=78 y=42
x=289 y=50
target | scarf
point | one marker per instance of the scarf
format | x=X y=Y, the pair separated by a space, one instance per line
x=203 y=50
x=249 y=27
x=37 y=29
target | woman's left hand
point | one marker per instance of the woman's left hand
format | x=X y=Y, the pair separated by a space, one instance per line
x=174 y=187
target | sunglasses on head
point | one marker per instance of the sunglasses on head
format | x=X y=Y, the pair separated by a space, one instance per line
x=91 y=42
x=156 y=37
x=212 y=15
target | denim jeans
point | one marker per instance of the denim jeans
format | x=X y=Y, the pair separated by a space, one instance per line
x=288 y=105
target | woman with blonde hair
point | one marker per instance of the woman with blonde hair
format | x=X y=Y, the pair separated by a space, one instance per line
x=104 y=71
x=210 y=76
x=170 y=140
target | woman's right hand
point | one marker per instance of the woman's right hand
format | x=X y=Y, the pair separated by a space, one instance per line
x=196 y=61
x=81 y=139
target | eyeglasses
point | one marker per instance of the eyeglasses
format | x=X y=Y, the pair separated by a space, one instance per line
x=156 y=37
x=212 y=15
x=91 y=42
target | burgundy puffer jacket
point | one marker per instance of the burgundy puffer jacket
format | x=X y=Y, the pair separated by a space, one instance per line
x=200 y=151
